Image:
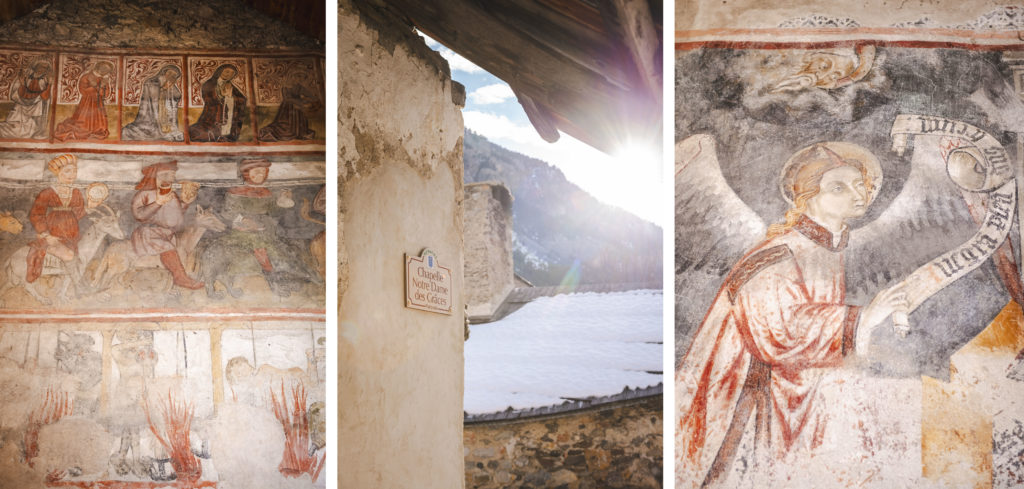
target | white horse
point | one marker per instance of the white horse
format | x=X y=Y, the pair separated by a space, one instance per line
x=107 y=223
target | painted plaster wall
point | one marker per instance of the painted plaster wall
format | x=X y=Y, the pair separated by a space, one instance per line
x=612 y=446
x=489 y=268
x=400 y=370
x=941 y=406
x=102 y=348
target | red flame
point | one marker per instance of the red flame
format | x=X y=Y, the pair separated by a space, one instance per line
x=296 y=459
x=55 y=406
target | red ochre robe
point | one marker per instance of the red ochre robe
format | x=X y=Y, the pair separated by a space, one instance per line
x=89 y=121
x=779 y=317
x=50 y=215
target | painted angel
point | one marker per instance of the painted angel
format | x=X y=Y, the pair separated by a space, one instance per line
x=782 y=319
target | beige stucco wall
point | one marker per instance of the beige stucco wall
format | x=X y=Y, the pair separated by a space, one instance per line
x=751 y=14
x=400 y=189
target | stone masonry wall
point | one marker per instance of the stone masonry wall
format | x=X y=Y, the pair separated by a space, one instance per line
x=184 y=24
x=612 y=446
x=489 y=268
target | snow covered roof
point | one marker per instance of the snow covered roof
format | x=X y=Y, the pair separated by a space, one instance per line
x=566 y=347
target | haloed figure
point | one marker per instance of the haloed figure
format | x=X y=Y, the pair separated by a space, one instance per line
x=780 y=318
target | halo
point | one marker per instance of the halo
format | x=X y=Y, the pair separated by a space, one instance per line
x=845 y=151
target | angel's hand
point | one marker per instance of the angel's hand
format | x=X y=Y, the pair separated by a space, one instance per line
x=882 y=306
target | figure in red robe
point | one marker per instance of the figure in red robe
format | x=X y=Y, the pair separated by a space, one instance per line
x=55 y=215
x=89 y=121
x=781 y=317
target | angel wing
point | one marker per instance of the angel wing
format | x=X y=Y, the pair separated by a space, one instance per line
x=926 y=218
x=714 y=228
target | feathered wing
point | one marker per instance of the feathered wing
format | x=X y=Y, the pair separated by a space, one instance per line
x=714 y=228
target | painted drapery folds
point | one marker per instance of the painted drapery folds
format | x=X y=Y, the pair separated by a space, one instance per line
x=162 y=291
x=828 y=313
x=118 y=98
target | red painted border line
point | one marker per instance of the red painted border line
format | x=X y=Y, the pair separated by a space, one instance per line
x=216 y=310
x=161 y=315
x=173 y=150
x=908 y=33
x=132 y=484
x=727 y=44
x=163 y=319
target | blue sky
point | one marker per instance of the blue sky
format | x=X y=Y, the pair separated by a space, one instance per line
x=631 y=180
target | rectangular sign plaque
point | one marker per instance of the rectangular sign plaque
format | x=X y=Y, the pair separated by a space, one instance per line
x=428 y=285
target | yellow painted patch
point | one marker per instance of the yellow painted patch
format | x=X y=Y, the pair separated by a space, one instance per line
x=1004 y=335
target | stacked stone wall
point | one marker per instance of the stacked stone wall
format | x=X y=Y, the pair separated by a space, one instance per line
x=617 y=445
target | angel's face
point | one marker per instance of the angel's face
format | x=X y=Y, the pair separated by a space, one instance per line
x=842 y=195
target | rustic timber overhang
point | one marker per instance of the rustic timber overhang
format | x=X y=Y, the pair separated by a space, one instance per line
x=588 y=68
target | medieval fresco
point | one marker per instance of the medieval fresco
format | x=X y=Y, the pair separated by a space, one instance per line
x=152 y=99
x=162 y=316
x=95 y=232
x=848 y=271
x=162 y=288
x=154 y=303
x=220 y=96
x=87 y=88
x=159 y=404
x=26 y=94
x=289 y=101
x=79 y=99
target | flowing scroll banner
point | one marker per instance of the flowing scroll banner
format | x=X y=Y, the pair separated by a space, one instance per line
x=977 y=163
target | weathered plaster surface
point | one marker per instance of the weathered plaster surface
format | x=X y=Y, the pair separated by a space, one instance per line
x=940 y=406
x=75 y=374
x=755 y=14
x=400 y=190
